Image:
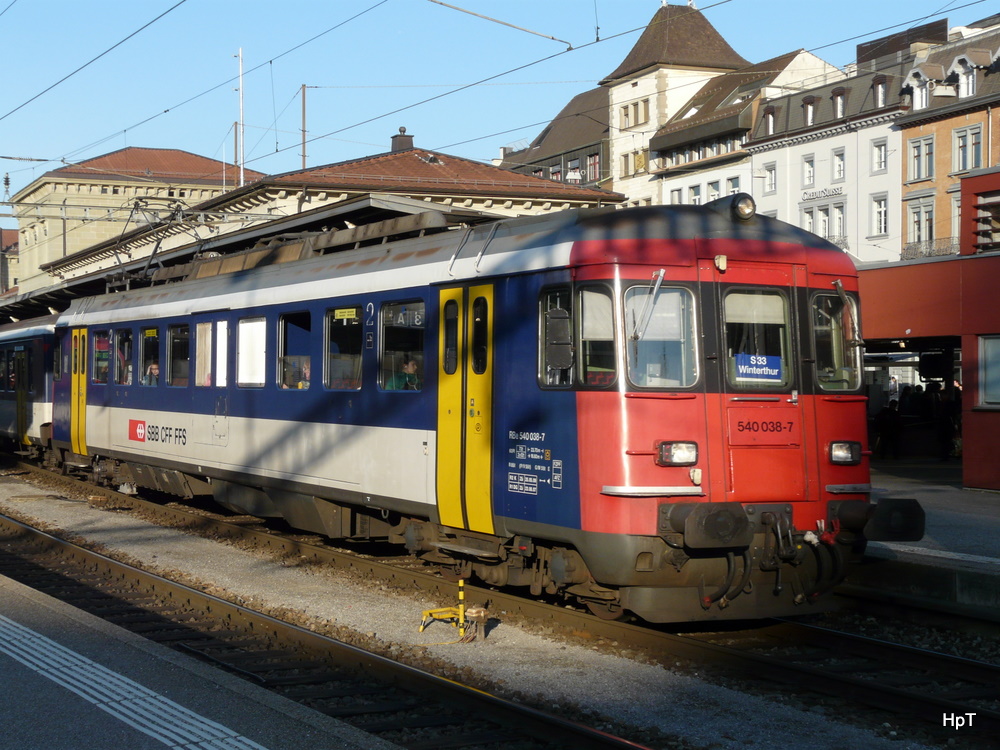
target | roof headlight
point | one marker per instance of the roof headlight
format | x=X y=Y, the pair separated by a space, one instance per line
x=744 y=207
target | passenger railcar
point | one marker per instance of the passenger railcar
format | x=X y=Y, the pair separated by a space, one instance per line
x=26 y=371
x=654 y=410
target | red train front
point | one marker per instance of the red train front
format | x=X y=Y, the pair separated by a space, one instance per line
x=715 y=365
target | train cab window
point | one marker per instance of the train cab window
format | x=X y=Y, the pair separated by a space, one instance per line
x=203 y=355
x=149 y=356
x=178 y=355
x=251 y=352
x=757 y=339
x=837 y=342
x=660 y=337
x=556 y=338
x=344 y=343
x=596 y=360
x=102 y=356
x=123 y=357
x=294 y=338
x=402 y=361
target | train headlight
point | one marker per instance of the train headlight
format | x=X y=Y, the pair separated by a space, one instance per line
x=676 y=453
x=846 y=453
x=744 y=207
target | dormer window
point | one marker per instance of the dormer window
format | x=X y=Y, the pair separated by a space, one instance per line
x=921 y=92
x=880 y=90
x=769 y=121
x=966 y=78
x=809 y=110
x=839 y=103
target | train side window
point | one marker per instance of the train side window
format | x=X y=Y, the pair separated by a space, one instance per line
x=203 y=355
x=757 y=339
x=837 y=343
x=178 y=355
x=102 y=354
x=294 y=339
x=344 y=343
x=57 y=363
x=556 y=338
x=123 y=357
x=660 y=337
x=402 y=362
x=596 y=355
x=149 y=356
x=251 y=352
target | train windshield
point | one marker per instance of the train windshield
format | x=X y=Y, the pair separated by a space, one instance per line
x=837 y=343
x=661 y=337
x=757 y=339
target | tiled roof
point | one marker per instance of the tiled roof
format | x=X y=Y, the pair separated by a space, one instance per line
x=581 y=122
x=681 y=36
x=430 y=172
x=8 y=237
x=159 y=164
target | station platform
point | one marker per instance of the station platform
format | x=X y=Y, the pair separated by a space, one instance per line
x=957 y=563
x=72 y=680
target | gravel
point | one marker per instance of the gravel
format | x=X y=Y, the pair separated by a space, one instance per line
x=655 y=705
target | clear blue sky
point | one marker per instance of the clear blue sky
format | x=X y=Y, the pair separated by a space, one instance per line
x=369 y=65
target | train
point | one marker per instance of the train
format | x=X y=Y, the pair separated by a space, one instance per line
x=653 y=412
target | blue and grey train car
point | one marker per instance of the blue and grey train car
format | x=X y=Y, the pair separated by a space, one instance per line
x=26 y=373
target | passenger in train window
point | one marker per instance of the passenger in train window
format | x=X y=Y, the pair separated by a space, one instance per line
x=407 y=380
x=152 y=376
x=301 y=381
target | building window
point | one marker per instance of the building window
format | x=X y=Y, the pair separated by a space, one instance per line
x=839 y=105
x=626 y=164
x=839 y=165
x=593 y=168
x=922 y=222
x=966 y=79
x=880 y=156
x=770 y=178
x=676 y=197
x=713 y=190
x=555 y=173
x=769 y=121
x=808 y=171
x=733 y=185
x=880 y=215
x=880 y=89
x=808 y=220
x=922 y=158
x=921 y=94
x=694 y=195
x=968 y=148
x=809 y=109
x=989 y=371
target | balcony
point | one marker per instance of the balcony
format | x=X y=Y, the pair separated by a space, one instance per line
x=930 y=248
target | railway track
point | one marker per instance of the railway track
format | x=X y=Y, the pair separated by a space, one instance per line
x=858 y=672
x=406 y=706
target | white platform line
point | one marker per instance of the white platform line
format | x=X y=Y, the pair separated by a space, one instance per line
x=128 y=701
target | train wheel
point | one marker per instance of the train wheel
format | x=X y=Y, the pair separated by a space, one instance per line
x=606 y=610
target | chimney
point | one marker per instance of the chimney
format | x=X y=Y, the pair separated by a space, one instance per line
x=402 y=142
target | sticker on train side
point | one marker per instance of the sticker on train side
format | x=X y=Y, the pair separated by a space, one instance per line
x=139 y=431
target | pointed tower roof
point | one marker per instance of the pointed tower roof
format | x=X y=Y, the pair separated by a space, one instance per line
x=680 y=36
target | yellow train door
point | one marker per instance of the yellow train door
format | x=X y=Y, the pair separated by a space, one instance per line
x=465 y=408
x=78 y=393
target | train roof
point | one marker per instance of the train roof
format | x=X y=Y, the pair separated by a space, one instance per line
x=665 y=235
x=28 y=328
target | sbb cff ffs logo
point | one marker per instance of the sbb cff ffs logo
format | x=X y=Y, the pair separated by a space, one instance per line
x=137 y=430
